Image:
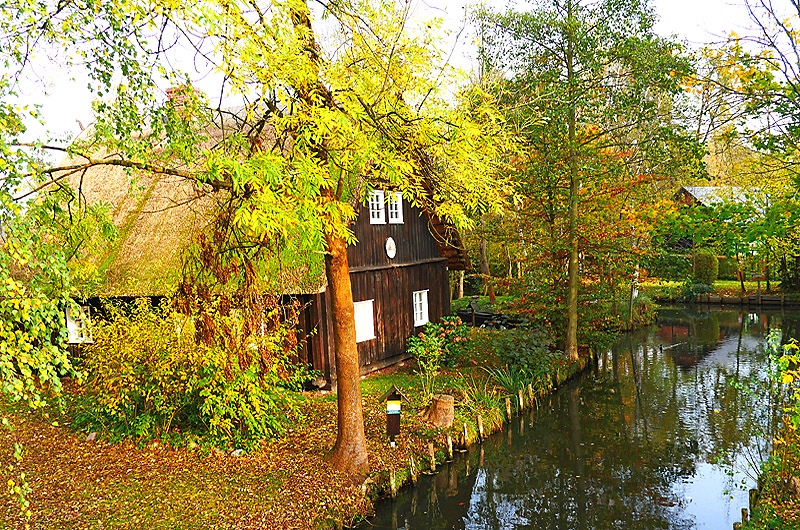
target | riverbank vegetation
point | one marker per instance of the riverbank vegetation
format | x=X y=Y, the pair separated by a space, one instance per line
x=778 y=503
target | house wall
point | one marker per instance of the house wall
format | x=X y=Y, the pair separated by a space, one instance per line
x=390 y=282
x=413 y=238
x=392 y=291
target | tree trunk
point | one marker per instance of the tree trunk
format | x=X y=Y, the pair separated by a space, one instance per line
x=349 y=455
x=766 y=276
x=571 y=346
x=740 y=273
x=441 y=412
x=460 y=285
x=485 y=270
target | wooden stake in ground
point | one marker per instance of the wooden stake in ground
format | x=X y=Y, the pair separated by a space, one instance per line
x=432 y=454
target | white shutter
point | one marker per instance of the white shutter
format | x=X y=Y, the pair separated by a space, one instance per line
x=365 y=320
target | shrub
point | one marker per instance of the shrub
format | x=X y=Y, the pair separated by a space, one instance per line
x=690 y=290
x=668 y=265
x=146 y=373
x=427 y=349
x=452 y=334
x=706 y=267
x=437 y=345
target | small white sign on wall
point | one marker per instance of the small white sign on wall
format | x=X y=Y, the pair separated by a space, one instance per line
x=391 y=248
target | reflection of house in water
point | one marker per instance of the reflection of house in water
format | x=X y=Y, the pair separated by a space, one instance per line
x=673 y=332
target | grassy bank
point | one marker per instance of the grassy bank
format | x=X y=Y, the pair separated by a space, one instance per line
x=676 y=290
x=78 y=482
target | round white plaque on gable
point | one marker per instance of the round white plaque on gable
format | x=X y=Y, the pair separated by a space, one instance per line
x=391 y=248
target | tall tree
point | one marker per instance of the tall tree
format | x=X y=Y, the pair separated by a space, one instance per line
x=588 y=78
x=324 y=121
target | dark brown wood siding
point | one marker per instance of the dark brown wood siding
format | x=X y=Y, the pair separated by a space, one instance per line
x=392 y=291
x=413 y=238
x=390 y=283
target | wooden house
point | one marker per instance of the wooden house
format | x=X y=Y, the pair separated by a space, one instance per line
x=399 y=267
x=399 y=276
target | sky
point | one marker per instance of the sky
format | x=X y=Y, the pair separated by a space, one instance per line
x=67 y=103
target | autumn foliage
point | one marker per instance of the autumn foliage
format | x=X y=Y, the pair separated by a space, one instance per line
x=149 y=375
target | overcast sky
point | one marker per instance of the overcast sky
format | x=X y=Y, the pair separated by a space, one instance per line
x=696 y=21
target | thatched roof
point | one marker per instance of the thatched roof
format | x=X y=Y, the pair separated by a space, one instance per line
x=158 y=216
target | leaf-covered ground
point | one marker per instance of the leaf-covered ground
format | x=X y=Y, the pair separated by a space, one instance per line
x=80 y=484
x=286 y=484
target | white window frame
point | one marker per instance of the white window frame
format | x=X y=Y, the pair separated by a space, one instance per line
x=395 y=207
x=79 y=325
x=364 y=314
x=377 y=208
x=420 y=307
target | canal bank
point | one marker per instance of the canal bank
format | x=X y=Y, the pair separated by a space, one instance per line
x=658 y=436
x=447 y=444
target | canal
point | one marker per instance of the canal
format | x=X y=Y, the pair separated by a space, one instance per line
x=657 y=437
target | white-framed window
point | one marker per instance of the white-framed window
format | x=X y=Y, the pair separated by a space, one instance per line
x=377 y=210
x=79 y=325
x=365 y=320
x=420 y=299
x=395 y=208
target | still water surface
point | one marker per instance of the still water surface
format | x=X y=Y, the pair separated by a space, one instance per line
x=637 y=444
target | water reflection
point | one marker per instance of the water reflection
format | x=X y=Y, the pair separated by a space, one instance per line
x=633 y=445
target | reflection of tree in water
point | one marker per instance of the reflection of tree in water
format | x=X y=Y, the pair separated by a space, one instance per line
x=581 y=465
x=612 y=451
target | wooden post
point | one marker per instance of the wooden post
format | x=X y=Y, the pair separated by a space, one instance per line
x=508 y=408
x=392 y=483
x=745 y=518
x=530 y=393
x=413 y=470
x=432 y=454
x=753 y=499
x=521 y=400
x=466 y=442
x=737 y=526
x=480 y=427
x=449 y=447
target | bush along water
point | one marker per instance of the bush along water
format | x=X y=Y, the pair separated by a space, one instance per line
x=779 y=482
x=149 y=374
